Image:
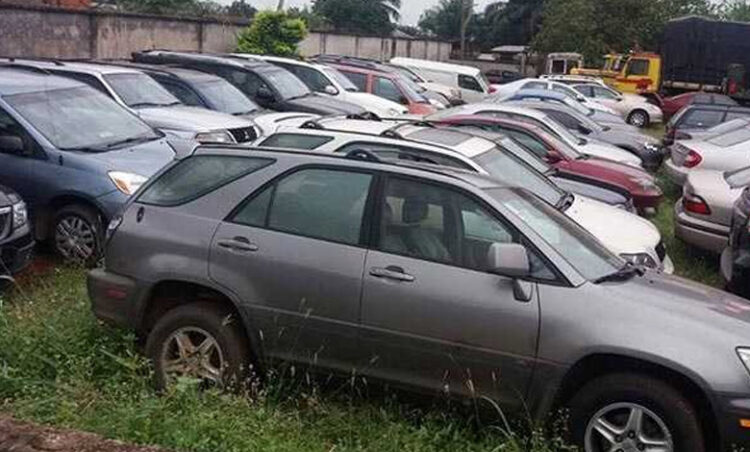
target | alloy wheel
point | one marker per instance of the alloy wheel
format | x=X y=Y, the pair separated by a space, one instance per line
x=638 y=119
x=75 y=239
x=627 y=427
x=192 y=352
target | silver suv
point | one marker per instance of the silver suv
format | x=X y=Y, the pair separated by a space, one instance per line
x=423 y=276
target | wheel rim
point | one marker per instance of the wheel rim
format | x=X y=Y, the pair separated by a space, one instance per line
x=627 y=427
x=638 y=119
x=75 y=238
x=192 y=352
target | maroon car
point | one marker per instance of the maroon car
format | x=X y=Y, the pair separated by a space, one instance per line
x=671 y=105
x=571 y=164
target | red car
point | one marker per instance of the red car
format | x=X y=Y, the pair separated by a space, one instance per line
x=671 y=105
x=388 y=85
x=570 y=163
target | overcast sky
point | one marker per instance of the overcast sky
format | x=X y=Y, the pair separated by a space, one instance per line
x=410 y=9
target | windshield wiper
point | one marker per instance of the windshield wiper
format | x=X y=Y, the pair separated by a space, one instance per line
x=84 y=149
x=153 y=104
x=625 y=273
x=138 y=139
x=565 y=202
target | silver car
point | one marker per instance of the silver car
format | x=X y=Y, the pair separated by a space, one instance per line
x=722 y=152
x=421 y=276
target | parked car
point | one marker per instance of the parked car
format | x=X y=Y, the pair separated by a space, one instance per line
x=546 y=122
x=510 y=90
x=501 y=77
x=74 y=155
x=735 y=259
x=720 y=129
x=327 y=80
x=637 y=240
x=439 y=275
x=671 y=105
x=16 y=241
x=267 y=85
x=697 y=118
x=543 y=95
x=723 y=152
x=571 y=164
x=636 y=109
x=201 y=89
x=704 y=213
x=146 y=98
x=469 y=80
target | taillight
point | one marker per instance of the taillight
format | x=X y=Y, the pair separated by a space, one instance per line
x=695 y=204
x=692 y=160
x=493 y=90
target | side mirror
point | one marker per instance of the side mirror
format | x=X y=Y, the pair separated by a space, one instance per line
x=330 y=89
x=403 y=100
x=265 y=95
x=583 y=129
x=581 y=98
x=508 y=259
x=11 y=144
x=553 y=156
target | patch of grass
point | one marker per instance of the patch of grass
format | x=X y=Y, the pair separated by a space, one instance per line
x=59 y=366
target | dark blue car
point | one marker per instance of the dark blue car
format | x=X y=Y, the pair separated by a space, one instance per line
x=74 y=155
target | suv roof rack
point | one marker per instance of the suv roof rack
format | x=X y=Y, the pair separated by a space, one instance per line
x=363 y=154
x=24 y=67
x=54 y=61
x=364 y=63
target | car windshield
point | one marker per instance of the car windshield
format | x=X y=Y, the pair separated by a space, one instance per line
x=578 y=106
x=563 y=132
x=286 y=84
x=728 y=126
x=576 y=245
x=80 y=119
x=139 y=90
x=225 y=97
x=411 y=74
x=526 y=155
x=341 y=79
x=738 y=178
x=513 y=171
x=412 y=90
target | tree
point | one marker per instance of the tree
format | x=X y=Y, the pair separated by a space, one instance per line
x=443 y=20
x=240 y=8
x=570 y=25
x=736 y=10
x=312 y=20
x=272 y=33
x=359 y=16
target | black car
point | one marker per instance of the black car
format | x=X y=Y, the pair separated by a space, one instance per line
x=699 y=117
x=501 y=77
x=16 y=242
x=267 y=85
x=735 y=260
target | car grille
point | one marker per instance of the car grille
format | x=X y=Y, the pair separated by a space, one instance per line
x=661 y=251
x=244 y=134
x=6 y=217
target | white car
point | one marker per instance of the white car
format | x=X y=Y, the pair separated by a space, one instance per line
x=329 y=81
x=634 y=238
x=547 y=123
x=723 y=152
x=509 y=89
x=469 y=80
x=635 y=109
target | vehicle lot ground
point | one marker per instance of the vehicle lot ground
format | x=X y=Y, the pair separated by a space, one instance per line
x=60 y=367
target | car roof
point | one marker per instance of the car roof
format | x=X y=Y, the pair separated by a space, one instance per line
x=275 y=59
x=474 y=108
x=169 y=70
x=436 y=65
x=179 y=57
x=76 y=66
x=542 y=93
x=19 y=80
x=716 y=107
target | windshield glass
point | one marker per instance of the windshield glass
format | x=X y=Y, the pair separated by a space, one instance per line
x=732 y=138
x=738 y=178
x=562 y=131
x=412 y=90
x=409 y=73
x=225 y=98
x=341 y=79
x=140 y=90
x=513 y=171
x=520 y=151
x=728 y=126
x=78 y=118
x=578 y=106
x=576 y=245
x=286 y=84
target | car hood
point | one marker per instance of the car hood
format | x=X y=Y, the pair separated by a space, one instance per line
x=620 y=174
x=323 y=105
x=714 y=189
x=378 y=105
x=144 y=159
x=632 y=234
x=192 y=119
x=445 y=90
x=270 y=122
x=604 y=150
x=627 y=136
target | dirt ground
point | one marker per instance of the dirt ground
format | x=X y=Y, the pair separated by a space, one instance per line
x=16 y=436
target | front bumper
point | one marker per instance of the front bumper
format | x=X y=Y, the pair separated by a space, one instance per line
x=16 y=254
x=732 y=408
x=699 y=233
x=677 y=174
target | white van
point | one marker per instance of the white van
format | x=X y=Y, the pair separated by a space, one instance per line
x=470 y=80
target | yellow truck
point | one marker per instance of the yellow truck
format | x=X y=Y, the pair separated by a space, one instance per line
x=638 y=73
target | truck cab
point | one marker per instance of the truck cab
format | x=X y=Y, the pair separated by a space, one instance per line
x=641 y=74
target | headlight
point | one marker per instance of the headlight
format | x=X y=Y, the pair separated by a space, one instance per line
x=644 y=182
x=219 y=136
x=744 y=354
x=643 y=259
x=127 y=183
x=20 y=215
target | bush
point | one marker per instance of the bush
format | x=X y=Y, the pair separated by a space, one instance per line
x=272 y=33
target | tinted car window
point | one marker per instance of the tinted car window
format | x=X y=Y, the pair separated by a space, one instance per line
x=285 y=83
x=386 y=151
x=85 y=78
x=585 y=90
x=186 y=95
x=734 y=114
x=638 y=67
x=359 y=80
x=248 y=82
x=310 y=77
x=197 y=176
x=319 y=203
x=698 y=118
x=563 y=118
x=535 y=85
x=531 y=143
x=603 y=93
x=468 y=82
x=296 y=141
x=225 y=97
x=140 y=90
x=386 y=88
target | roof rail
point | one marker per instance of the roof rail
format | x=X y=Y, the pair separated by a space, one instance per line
x=363 y=154
x=54 y=61
x=350 y=61
x=366 y=116
x=393 y=131
x=24 y=67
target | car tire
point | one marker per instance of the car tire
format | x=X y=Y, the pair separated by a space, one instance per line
x=614 y=398
x=78 y=234
x=639 y=118
x=214 y=323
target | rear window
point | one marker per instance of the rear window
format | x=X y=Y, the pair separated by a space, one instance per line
x=738 y=178
x=295 y=141
x=702 y=119
x=732 y=138
x=197 y=176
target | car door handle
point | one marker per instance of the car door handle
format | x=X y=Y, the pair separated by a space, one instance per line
x=238 y=244
x=392 y=272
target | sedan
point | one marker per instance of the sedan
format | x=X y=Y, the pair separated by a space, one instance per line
x=671 y=105
x=636 y=110
x=725 y=152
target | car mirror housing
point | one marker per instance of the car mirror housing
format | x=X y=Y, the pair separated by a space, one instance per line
x=508 y=259
x=11 y=144
x=330 y=89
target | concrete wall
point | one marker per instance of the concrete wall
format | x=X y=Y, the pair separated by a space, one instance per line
x=36 y=31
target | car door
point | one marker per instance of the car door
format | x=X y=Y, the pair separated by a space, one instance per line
x=431 y=316
x=18 y=170
x=293 y=251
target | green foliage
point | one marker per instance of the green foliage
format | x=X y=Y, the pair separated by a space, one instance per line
x=375 y=17
x=736 y=10
x=238 y=8
x=272 y=33
x=313 y=20
x=443 y=20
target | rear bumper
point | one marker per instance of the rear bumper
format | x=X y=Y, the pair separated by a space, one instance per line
x=113 y=298
x=699 y=233
x=677 y=174
x=647 y=200
x=16 y=254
